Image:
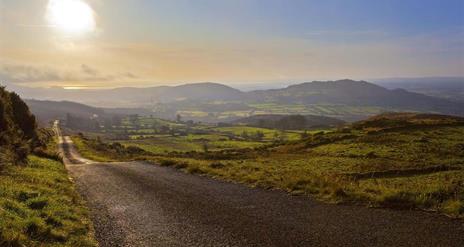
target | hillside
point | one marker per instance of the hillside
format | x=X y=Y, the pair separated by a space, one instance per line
x=356 y=93
x=295 y=122
x=50 y=110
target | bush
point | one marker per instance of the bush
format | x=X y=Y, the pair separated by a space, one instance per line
x=167 y=162
x=216 y=165
x=181 y=165
x=48 y=154
x=194 y=170
x=18 y=129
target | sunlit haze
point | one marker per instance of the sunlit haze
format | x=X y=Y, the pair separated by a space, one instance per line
x=70 y=15
x=102 y=43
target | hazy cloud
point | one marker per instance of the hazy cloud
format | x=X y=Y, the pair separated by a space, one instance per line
x=89 y=70
x=18 y=73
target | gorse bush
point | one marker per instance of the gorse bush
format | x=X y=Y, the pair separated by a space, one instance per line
x=18 y=129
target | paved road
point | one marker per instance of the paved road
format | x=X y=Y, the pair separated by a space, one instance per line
x=138 y=204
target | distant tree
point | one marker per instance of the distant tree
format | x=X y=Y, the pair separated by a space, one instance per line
x=282 y=136
x=134 y=119
x=245 y=135
x=154 y=127
x=205 y=146
x=164 y=129
x=292 y=122
x=259 y=135
x=276 y=135
x=96 y=125
x=172 y=132
x=116 y=120
x=179 y=118
x=190 y=123
x=108 y=124
x=304 y=135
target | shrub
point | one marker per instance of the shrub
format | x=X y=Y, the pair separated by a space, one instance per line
x=194 y=170
x=18 y=129
x=181 y=165
x=216 y=165
x=48 y=154
x=167 y=162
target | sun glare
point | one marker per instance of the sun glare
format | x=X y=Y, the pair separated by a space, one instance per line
x=73 y=16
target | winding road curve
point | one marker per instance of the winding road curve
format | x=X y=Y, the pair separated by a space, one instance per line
x=138 y=204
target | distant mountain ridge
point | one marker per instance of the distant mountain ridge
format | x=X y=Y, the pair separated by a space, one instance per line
x=451 y=88
x=213 y=98
x=135 y=97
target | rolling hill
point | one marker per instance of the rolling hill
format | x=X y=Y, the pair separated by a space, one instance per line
x=344 y=99
x=50 y=110
x=356 y=93
x=451 y=88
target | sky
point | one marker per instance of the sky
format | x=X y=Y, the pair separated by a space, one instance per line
x=113 y=43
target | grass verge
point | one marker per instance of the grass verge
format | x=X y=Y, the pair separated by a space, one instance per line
x=88 y=152
x=40 y=207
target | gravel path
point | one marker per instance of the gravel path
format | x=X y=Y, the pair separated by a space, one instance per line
x=138 y=204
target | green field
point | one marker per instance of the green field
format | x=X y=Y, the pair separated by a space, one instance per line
x=162 y=136
x=332 y=110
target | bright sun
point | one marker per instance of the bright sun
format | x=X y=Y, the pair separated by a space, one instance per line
x=74 y=16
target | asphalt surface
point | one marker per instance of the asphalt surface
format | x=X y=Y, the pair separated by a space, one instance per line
x=139 y=204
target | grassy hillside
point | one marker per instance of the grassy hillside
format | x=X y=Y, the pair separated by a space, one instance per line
x=38 y=204
x=394 y=160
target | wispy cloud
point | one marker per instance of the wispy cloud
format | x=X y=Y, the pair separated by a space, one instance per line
x=20 y=73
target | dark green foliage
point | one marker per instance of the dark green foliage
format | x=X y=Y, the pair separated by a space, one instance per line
x=167 y=162
x=289 y=122
x=22 y=117
x=216 y=165
x=82 y=123
x=18 y=129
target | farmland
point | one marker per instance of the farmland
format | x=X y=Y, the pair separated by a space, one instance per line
x=162 y=136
